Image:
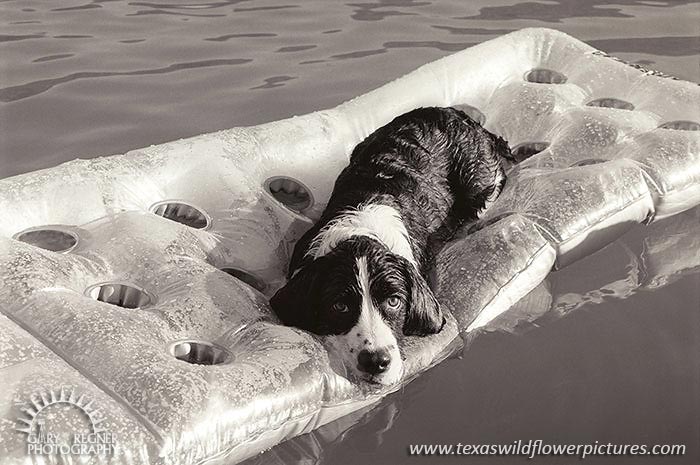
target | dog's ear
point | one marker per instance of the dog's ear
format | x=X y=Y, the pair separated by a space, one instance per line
x=423 y=314
x=295 y=303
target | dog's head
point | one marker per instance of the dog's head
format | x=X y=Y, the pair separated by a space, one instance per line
x=361 y=297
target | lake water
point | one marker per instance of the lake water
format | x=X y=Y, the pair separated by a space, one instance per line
x=610 y=349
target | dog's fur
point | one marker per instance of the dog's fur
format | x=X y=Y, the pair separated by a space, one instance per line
x=358 y=276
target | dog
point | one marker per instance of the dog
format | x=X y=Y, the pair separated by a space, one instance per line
x=358 y=277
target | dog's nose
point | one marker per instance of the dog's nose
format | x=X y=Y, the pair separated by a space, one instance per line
x=374 y=362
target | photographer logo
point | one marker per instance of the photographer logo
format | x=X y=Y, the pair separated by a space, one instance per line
x=62 y=423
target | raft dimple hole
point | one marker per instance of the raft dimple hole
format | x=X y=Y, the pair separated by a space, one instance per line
x=251 y=280
x=525 y=150
x=119 y=294
x=611 y=103
x=182 y=213
x=51 y=239
x=545 y=76
x=681 y=125
x=199 y=352
x=289 y=192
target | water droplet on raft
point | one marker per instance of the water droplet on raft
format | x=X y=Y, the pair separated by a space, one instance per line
x=181 y=212
x=290 y=193
x=49 y=239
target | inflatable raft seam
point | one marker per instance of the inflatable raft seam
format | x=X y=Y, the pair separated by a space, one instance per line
x=540 y=251
x=587 y=228
x=602 y=219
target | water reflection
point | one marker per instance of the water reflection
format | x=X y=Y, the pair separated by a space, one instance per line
x=13 y=93
x=664 y=46
x=375 y=11
x=274 y=81
x=12 y=38
x=240 y=36
x=550 y=11
x=188 y=6
x=386 y=46
x=53 y=57
x=473 y=30
x=87 y=6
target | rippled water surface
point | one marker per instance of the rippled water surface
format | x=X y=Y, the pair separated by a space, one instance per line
x=82 y=78
x=609 y=348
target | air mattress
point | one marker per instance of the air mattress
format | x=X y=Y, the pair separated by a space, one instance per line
x=133 y=298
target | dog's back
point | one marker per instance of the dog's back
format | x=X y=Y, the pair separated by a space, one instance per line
x=435 y=166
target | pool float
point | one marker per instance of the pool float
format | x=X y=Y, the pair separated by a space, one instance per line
x=134 y=287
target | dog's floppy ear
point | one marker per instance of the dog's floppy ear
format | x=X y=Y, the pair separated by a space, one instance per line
x=423 y=314
x=295 y=302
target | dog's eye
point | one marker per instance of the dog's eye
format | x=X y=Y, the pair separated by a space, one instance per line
x=341 y=307
x=393 y=302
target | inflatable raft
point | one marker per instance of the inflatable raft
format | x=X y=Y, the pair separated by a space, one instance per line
x=133 y=298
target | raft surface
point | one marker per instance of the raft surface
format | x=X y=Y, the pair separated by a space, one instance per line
x=140 y=281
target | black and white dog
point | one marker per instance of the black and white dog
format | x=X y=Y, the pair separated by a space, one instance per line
x=358 y=276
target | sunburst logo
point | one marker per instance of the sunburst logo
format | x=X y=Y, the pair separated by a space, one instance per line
x=60 y=422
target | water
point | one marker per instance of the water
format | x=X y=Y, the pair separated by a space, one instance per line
x=81 y=78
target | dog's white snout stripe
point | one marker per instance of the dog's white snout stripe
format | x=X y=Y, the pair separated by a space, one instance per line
x=371 y=330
